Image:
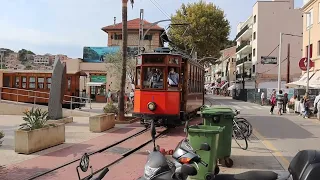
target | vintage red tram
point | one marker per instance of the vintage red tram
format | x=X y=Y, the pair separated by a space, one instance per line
x=168 y=88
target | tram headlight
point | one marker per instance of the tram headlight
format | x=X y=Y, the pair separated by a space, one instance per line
x=152 y=106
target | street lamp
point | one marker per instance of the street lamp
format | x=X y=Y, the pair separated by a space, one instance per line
x=308 y=58
x=279 y=57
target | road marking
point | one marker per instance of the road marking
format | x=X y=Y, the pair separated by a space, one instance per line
x=237 y=107
x=273 y=150
x=246 y=107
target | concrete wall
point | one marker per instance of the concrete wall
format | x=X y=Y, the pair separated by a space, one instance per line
x=274 y=17
x=314 y=32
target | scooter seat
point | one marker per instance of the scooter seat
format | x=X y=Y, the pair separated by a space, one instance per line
x=249 y=175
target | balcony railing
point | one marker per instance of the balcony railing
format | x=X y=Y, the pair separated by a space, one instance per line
x=246 y=75
x=242 y=45
x=245 y=59
x=244 y=29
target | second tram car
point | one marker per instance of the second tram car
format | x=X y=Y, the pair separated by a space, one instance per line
x=168 y=88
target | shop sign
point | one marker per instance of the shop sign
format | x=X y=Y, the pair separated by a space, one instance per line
x=101 y=79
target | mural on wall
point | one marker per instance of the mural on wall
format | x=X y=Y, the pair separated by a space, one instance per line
x=97 y=54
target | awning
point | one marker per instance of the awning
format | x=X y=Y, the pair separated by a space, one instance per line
x=95 y=84
x=302 y=81
x=315 y=80
x=231 y=87
x=224 y=85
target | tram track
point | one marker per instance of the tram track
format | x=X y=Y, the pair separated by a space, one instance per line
x=98 y=151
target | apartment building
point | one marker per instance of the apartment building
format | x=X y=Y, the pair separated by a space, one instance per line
x=151 y=40
x=258 y=39
x=42 y=59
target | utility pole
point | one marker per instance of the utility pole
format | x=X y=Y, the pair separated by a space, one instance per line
x=141 y=36
x=288 y=64
x=279 y=63
x=309 y=49
x=124 y=58
x=243 y=83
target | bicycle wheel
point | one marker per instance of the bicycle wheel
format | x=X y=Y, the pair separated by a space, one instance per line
x=249 y=129
x=244 y=128
x=239 y=137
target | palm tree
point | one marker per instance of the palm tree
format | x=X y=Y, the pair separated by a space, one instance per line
x=124 y=56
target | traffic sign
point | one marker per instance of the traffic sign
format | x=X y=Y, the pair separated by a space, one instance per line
x=303 y=63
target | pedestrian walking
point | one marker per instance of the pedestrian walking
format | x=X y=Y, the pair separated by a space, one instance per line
x=306 y=108
x=316 y=106
x=280 y=99
x=109 y=96
x=285 y=102
x=273 y=101
x=262 y=98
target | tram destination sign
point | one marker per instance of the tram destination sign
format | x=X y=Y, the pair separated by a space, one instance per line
x=268 y=60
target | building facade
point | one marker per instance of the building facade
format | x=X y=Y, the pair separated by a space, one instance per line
x=151 y=41
x=259 y=36
x=41 y=59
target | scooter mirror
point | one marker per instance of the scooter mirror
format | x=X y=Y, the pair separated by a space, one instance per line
x=205 y=147
x=188 y=170
x=84 y=162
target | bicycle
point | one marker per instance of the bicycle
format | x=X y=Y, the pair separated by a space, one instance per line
x=244 y=124
x=238 y=135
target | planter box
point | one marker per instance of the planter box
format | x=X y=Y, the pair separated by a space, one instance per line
x=27 y=142
x=64 y=120
x=100 y=123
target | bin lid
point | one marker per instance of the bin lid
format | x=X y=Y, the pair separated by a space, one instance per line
x=218 y=110
x=205 y=129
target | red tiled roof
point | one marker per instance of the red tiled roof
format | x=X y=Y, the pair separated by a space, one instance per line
x=132 y=25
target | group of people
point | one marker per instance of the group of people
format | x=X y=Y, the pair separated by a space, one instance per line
x=280 y=99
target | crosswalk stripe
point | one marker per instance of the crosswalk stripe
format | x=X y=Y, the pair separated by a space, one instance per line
x=246 y=107
x=257 y=107
x=237 y=107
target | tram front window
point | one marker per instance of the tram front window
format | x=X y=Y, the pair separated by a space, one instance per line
x=153 y=78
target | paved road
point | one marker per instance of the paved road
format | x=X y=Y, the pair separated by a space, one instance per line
x=283 y=135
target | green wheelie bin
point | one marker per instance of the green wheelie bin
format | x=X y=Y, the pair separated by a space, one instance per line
x=199 y=134
x=221 y=116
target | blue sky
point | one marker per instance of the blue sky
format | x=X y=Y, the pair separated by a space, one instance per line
x=65 y=26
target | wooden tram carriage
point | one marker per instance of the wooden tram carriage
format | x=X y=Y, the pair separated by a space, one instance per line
x=169 y=106
x=34 y=87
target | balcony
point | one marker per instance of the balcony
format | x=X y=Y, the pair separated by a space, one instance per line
x=245 y=33
x=243 y=60
x=245 y=47
x=246 y=75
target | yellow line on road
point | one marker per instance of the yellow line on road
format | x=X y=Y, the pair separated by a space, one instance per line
x=274 y=150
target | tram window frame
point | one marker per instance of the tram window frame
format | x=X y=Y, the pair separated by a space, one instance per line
x=161 y=58
x=48 y=86
x=24 y=82
x=176 y=70
x=69 y=78
x=145 y=86
x=32 y=83
x=40 y=83
x=16 y=83
x=6 y=81
x=138 y=77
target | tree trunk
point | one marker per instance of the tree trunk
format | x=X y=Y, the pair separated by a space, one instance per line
x=124 y=59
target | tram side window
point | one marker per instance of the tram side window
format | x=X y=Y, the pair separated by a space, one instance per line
x=138 y=77
x=24 y=82
x=173 y=78
x=17 y=82
x=40 y=83
x=6 y=81
x=32 y=82
x=153 y=77
x=48 y=83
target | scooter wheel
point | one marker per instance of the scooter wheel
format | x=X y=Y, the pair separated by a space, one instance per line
x=216 y=170
x=228 y=162
x=209 y=177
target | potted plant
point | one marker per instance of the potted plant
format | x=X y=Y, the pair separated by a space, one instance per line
x=1 y=136
x=36 y=134
x=290 y=108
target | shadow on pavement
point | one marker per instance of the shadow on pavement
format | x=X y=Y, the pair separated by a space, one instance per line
x=122 y=130
x=269 y=128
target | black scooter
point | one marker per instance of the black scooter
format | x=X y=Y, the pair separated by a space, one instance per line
x=158 y=167
x=84 y=165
